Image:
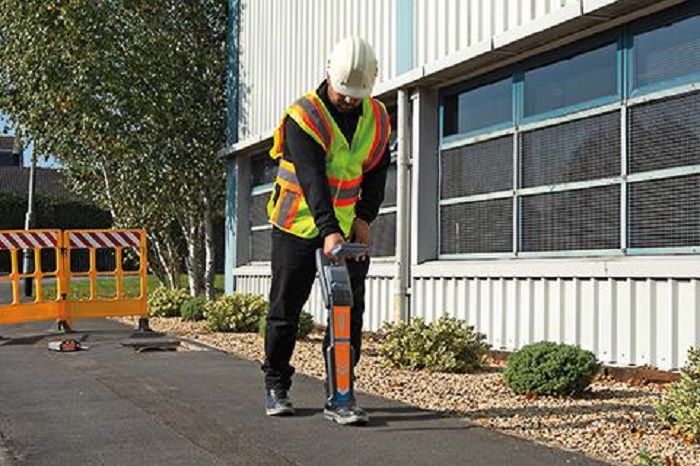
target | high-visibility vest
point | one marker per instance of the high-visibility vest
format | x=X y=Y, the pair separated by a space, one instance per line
x=346 y=163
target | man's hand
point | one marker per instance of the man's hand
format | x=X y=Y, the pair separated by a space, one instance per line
x=330 y=242
x=360 y=233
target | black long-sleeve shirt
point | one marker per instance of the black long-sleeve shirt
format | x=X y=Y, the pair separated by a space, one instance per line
x=309 y=158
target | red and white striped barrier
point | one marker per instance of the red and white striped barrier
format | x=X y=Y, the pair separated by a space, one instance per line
x=28 y=239
x=105 y=239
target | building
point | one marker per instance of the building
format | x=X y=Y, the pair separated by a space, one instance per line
x=8 y=156
x=547 y=182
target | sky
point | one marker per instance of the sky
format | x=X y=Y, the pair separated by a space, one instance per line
x=5 y=124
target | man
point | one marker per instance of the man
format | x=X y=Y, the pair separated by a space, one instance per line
x=333 y=152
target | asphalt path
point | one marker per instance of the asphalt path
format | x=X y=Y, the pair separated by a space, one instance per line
x=110 y=405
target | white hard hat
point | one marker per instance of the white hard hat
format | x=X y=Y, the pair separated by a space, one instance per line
x=352 y=67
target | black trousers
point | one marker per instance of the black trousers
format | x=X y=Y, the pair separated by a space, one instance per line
x=293 y=275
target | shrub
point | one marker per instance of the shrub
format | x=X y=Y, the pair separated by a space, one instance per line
x=306 y=325
x=680 y=406
x=164 y=302
x=238 y=312
x=548 y=368
x=193 y=309
x=448 y=345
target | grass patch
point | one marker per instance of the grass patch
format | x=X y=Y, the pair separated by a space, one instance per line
x=107 y=287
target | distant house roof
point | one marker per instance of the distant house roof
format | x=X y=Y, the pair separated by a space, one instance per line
x=49 y=183
x=7 y=154
x=7 y=143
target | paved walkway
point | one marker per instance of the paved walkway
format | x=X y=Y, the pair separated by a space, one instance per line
x=112 y=406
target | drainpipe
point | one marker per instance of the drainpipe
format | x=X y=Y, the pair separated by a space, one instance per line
x=403 y=209
x=233 y=103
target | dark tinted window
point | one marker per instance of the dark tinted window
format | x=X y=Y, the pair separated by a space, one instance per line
x=479 y=108
x=264 y=169
x=575 y=80
x=668 y=52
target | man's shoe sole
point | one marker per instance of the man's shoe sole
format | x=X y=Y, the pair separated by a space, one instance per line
x=279 y=411
x=346 y=420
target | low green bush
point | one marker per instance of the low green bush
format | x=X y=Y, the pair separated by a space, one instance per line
x=306 y=325
x=164 y=302
x=680 y=406
x=193 y=309
x=238 y=312
x=448 y=345
x=547 y=368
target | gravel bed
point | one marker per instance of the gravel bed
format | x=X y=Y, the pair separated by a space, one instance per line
x=614 y=422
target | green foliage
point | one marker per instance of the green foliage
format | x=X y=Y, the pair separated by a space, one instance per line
x=193 y=309
x=680 y=406
x=306 y=325
x=130 y=97
x=164 y=302
x=644 y=458
x=448 y=345
x=238 y=312
x=548 y=368
x=61 y=214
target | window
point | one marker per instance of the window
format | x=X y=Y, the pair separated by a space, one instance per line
x=477 y=227
x=477 y=168
x=263 y=170
x=579 y=150
x=668 y=52
x=665 y=133
x=384 y=226
x=577 y=220
x=575 y=80
x=621 y=178
x=479 y=108
x=665 y=213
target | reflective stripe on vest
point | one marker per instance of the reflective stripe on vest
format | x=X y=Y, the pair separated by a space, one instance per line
x=344 y=192
x=381 y=136
x=310 y=117
x=313 y=116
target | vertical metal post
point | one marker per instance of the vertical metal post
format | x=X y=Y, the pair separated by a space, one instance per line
x=403 y=209
x=29 y=222
x=233 y=97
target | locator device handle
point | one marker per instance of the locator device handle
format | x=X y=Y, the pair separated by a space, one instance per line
x=349 y=250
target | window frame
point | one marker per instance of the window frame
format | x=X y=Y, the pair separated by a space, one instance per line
x=624 y=99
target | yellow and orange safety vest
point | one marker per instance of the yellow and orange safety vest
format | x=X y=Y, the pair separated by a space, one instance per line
x=346 y=163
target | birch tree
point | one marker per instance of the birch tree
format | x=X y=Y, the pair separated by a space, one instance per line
x=129 y=96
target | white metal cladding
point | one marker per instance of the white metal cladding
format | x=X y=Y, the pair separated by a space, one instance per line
x=624 y=321
x=284 y=46
x=449 y=26
x=379 y=297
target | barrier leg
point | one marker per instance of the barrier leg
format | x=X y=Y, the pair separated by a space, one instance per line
x=64 y=326
x=144 y=326
x=144 y=330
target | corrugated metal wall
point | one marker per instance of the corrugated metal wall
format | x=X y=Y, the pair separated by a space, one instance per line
x=379 y=299
x=595 y=313
x=284 y=46
x=449 y=26
x=624 y=321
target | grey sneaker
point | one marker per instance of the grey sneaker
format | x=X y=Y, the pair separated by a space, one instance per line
x=348 y=414
x=277 y=403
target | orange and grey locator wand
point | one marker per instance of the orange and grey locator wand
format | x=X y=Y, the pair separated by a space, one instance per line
x=337 y=296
